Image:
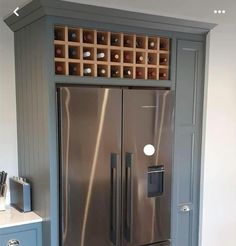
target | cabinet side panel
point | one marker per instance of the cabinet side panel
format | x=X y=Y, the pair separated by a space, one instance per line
x=187 y=152
x=32 y=117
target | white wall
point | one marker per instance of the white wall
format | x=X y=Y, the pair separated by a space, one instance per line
x=219 y=171
x=8 y=140
x=219 y=181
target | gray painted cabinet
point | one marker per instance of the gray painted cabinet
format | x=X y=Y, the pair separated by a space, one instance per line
x=188 y=122
x=37 y=105
x=23 y=235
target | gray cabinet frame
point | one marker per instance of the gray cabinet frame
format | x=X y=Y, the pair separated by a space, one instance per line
x=36 y=91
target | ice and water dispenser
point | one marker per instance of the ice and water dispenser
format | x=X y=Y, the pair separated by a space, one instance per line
x=155 y=180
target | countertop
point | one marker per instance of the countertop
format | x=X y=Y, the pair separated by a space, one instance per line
x=12 y=217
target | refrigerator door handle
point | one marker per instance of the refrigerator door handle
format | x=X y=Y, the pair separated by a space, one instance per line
x=128 y=197
x=113 y=198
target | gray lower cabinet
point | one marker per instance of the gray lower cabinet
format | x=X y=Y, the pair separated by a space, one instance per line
x=23 y=235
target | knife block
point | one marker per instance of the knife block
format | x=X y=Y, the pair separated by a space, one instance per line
x=20 y=193
x=3 y=200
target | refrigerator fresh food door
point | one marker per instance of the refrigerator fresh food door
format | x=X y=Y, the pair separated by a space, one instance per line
x=90 y=165
x=146 y=171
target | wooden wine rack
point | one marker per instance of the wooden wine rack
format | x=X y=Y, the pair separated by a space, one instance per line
x=121 y=55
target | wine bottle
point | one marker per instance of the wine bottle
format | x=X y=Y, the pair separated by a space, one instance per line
x=87 y=71
x=58 y=35
x=139 y=43
x=101 y=39
x=100 y=55
x=139 y=73
x=139 y=58
x=127 y=72
x=73 y=69
x=127 y=42
x=114 y=40
x=127 y=57
x=162 y=46
x=58 y=52
x=163 y=75
x=151 y=74
x=115 y=57
x=151 y=45
x=101 y=72
x=114 y=72
x=72 y=52
x=88 y=38
x=87 y=54
x=72 y=36
x=150 y=59
x=163 y=60
x=59 y=69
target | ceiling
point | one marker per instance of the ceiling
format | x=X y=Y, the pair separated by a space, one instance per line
x=201 y=10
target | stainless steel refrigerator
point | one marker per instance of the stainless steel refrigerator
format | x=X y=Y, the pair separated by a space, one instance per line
x=115 y=166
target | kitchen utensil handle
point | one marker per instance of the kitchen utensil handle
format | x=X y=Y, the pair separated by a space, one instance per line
x=128 y=197
x=113 y=198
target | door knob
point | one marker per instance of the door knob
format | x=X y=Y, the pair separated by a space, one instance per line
x=13 y=242
x=185 y=208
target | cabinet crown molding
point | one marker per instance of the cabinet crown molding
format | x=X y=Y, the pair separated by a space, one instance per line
x=37 y=9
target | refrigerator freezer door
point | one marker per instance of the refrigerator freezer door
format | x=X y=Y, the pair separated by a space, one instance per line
x=147 y=117
x=90 y=165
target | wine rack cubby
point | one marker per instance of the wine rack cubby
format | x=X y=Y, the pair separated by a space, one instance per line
x=85 y=52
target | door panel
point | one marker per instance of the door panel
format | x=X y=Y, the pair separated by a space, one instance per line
x=90 y=165
x=147 y=117
x=187 y=162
